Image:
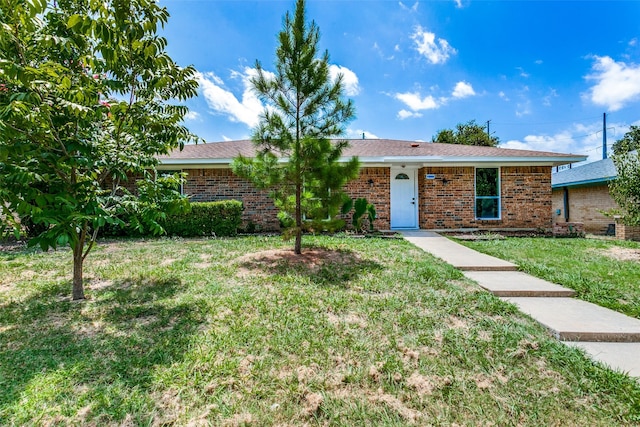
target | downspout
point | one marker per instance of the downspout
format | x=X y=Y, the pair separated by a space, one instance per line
x=566 y=204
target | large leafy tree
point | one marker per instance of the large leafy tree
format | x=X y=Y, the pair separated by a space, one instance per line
x=630 y=141
x=305 y=108
x=469 y=133
x=88 y=99
x=625 y=189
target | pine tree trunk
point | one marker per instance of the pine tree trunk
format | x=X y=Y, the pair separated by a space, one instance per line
x=298 y=245
x=78 y=287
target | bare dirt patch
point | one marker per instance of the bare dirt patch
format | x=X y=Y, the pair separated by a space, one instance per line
x=622 y=254
x=312 y=402
x=311 y=261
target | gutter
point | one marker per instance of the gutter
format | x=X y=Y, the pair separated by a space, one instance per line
x=584 y=183
x=422 y=160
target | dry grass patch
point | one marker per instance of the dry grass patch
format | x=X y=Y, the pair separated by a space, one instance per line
x=622 y=254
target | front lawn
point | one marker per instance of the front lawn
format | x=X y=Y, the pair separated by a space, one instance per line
x=240 y=332
x=604 y=272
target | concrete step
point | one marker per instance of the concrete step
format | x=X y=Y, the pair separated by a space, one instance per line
x=575 y=320
x=517 y=284
x=455 y=254
x=620 y=356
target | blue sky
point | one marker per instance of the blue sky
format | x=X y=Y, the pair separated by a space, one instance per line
x=543 y=72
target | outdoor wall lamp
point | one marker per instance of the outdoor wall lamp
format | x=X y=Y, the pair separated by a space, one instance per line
x=370 y=182
x=445 y=181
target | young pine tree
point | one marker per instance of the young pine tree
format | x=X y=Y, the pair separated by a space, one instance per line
x=305 y=108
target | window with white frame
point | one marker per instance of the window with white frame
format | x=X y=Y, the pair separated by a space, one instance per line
x=487 y=193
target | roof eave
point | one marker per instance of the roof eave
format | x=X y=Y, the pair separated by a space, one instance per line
x=584 y=182
x=422 y=160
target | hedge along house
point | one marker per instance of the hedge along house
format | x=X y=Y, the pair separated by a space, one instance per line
x=411 y=184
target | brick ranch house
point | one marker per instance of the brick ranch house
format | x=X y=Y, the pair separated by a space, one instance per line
x=581 y=195
x=411 y=184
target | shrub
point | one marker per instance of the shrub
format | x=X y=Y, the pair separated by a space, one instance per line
x=220 y=218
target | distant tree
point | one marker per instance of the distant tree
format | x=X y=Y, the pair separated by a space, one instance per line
x=87 y=96
x=295 y=157
x=469 y=133
x=625 y=189
x=630 y=141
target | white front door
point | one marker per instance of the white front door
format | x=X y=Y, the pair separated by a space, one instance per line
x=404 y=203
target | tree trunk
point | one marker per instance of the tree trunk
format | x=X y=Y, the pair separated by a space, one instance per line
x=298 y=245
x=78 y=260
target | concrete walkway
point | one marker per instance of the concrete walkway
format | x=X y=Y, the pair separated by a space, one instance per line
x=606 y=335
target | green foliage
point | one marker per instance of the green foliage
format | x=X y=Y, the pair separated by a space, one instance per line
x=219 y=219
x=324 y=226
x=625 y=189
x=296 y=158
x=469 y=133
x=87 y=99
x=363 y=209
x=629 y=142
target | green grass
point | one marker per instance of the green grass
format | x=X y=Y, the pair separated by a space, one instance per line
x=592 y=267
x=200 y=332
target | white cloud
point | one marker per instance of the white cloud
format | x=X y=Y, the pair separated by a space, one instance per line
x=357 y=134
x=222 y=101
x=523 y=73
x=405 y=114
x=415 y=102
x=546 y=101
x=523 y=108
x=633 y=42
x=349 y=79
x=616 y=83
x=458 y=3
x=192 y=115
x=504 y=96
x=413 y=8
x=226 y=138
x=577 y=139
x=463 y=90
x=436 y=52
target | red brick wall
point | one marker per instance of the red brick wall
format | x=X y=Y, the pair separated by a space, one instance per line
x=585 y=205
x=449 y=200
x=206 y=185
x=526 y=196
x=376 y=192
x=221 y=184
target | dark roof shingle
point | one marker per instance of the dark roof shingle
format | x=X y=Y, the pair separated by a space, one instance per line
x=375 y=148
x=600 y=171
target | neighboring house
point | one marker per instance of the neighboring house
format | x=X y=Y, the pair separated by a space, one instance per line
x=581 y=194
x=411 y=184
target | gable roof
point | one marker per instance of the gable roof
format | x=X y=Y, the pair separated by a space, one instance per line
x=378 y=151
x=598 y=172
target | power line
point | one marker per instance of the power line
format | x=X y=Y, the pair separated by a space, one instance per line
x=547 y=123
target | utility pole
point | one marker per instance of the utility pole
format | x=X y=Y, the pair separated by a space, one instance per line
x=488 y=132
x=604 y=136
